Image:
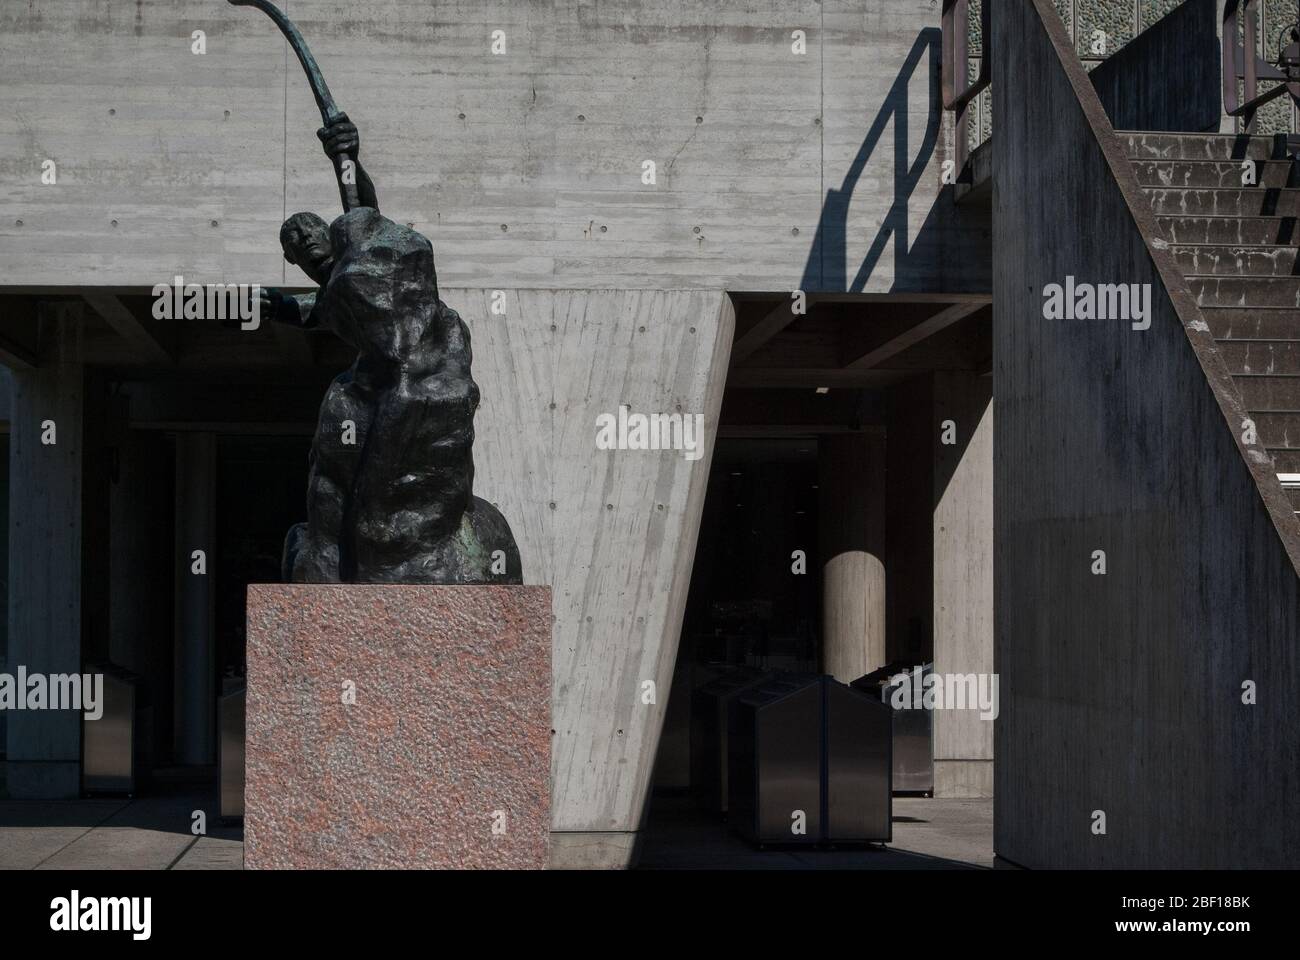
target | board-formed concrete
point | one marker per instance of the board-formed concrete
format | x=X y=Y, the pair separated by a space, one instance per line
x=45 y=609
x=795 y=143
x=963 y=579
x=1148 y=712
x=585 y=287
x=611 y=530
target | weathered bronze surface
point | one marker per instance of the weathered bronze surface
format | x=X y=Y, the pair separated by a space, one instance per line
x=390 y=492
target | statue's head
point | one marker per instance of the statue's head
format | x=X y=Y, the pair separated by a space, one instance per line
x=305 y=239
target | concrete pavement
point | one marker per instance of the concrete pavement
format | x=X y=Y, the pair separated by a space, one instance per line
x=149 y=833
x=929 y=834
x=153 y=833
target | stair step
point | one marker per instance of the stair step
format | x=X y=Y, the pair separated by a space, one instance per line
x=1261 y=357
x=1235 y=323
x=1184 y=174
x=1278 y=431
x=1280 y=231
x=1210 y=202
x=1142 y=145
x=1293 y=494
x=1269 y=394
x=1245 y=291
x=1237 y=261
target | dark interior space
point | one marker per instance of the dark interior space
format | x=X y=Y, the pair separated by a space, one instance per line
x=261 y=492
x=746 y=604
x=258 y=490
x=829 y=443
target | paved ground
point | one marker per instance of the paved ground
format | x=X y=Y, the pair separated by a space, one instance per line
x=153 y=833
x=928 y=834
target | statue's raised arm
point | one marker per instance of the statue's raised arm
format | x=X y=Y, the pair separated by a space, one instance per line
x=390 y=490
x=355 y=188
x=342 y=145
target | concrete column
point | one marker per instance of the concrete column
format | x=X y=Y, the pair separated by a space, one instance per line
x=963 y=576
x=44 y=746
x=195 y=698
x=851 y=484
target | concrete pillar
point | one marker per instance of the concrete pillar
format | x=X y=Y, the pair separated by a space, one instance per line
x=963 y=576
x=195 y=697
x=851 y=484
x=44 y=746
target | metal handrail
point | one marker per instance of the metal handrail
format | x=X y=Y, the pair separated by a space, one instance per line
x=1242 y=62
x=958 y=92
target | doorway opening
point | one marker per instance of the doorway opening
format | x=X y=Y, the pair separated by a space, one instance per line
x=846 y=532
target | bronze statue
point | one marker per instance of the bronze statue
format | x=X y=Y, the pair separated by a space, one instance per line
x=390 y=489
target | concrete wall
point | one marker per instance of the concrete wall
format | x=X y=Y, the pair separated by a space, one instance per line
x=774 y=170
x=963 y=576
x=45 y=540
x=1170 y=77
x=612 y=531
x=1122 y=693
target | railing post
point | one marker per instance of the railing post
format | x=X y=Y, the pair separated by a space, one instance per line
x=958 y=92
x=1242 y=63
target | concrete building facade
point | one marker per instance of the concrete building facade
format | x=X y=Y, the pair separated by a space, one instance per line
x=751 y=213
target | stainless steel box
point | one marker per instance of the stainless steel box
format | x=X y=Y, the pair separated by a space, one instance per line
x=809 y=750
x=859 y=745
x=115 y=748
x=913 y=739
x=231 y=753
x=774 y=776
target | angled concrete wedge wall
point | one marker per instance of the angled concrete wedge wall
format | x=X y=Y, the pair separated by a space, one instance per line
x=612 y=531
x=1122 y=692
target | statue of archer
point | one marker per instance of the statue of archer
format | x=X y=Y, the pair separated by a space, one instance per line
x=390 y=488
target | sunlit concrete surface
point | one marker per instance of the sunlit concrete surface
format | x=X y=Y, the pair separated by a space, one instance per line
x=151 y=833
x=929 y=834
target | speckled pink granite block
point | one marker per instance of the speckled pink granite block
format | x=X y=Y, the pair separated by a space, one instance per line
x=443 y=760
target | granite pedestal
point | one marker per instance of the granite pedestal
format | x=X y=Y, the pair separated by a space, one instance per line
x=398 y=726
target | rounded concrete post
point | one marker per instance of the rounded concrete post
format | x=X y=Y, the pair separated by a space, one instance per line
x=851 y=470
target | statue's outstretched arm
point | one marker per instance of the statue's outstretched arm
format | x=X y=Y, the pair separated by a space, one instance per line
x=294 y=310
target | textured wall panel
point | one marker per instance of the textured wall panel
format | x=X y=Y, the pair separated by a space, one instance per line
x=612 y=531
x=527 y=164
x=1122 y=692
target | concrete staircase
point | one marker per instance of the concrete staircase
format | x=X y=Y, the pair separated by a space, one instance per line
x=1239 y=248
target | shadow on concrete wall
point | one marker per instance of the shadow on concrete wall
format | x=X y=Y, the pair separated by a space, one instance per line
x=827 y=267
x=950 y=250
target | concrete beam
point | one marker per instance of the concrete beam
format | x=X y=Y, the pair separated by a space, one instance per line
x=130 y=327
x=15 y=356
x=927 y=328
x=794 y=431
x=813 y=377
x=780 y=317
